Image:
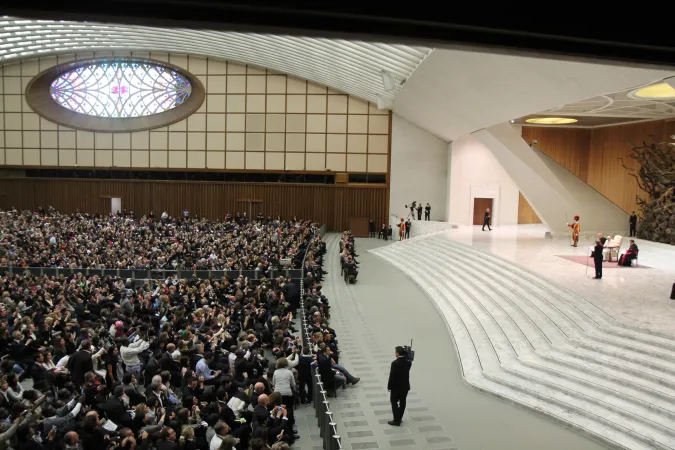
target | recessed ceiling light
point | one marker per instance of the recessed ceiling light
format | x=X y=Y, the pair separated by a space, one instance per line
x=656 y=91
x=551 y=120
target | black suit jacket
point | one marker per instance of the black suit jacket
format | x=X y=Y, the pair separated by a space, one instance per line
x=399 y=375
x=80 y=363
x=167 y=445
x=260 y=414
x=305 y=368
x=114 y=409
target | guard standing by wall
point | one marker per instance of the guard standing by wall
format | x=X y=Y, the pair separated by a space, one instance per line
x=419 y=211
x=427 y=212
x=633 y=224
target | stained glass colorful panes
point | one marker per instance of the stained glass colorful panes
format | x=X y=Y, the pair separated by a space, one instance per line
x=120 y=89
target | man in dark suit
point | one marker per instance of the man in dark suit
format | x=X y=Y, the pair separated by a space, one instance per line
x=597 y=259
x=633 y=224
x=115 y=410
x=166 y=361
x=80 y=363
x=305 y=376
x=292 y=293
x=399 y=385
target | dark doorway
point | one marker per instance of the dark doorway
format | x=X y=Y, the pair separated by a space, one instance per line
x=479 y=206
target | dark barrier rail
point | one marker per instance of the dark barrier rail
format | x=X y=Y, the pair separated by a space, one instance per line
x=325 y=419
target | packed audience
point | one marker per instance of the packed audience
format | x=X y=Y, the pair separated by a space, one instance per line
x=93 y=362
x=125 y=241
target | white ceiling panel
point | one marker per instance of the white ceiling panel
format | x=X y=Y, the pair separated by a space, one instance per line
x=352 y=67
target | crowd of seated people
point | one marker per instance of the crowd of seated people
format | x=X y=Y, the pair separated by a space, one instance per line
x=93 y=362
x=126 y=241
x=348 y=263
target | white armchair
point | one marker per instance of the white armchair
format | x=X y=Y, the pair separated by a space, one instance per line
x=612 y=247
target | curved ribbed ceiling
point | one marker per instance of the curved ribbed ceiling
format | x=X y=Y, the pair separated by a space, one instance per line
x=352 y=67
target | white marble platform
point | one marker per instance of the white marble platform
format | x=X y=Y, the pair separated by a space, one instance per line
x=525 y=338
x=421 y=227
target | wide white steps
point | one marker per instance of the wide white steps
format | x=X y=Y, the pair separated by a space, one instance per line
x=526 y=339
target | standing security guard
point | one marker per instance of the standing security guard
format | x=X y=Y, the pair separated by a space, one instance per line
x=399 y=385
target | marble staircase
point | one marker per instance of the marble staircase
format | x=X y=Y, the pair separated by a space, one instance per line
x=524 y=338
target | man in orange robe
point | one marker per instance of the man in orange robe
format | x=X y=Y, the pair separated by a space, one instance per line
x=401 y=229
x=576 y=229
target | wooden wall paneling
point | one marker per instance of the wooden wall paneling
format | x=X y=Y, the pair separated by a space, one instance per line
x=569 y=147
x=594 y=155
x=611 y=144
x=329 y=204
x=526 y=214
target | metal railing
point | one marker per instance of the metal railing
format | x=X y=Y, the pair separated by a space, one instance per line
x=325 y=420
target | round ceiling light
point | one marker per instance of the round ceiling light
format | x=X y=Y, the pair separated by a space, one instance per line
x=551 y=120
x=658 y=91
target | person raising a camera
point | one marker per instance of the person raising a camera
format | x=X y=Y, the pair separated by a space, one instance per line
x=399 y=384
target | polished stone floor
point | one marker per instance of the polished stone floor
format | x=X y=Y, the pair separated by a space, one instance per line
x=635 y=297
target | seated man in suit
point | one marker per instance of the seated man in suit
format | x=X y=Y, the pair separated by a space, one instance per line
x=383 y=232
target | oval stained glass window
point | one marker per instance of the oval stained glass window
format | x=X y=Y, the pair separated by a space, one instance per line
x=115 y=95
x=120 y=89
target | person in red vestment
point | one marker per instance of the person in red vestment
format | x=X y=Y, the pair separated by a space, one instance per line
x=627 y=258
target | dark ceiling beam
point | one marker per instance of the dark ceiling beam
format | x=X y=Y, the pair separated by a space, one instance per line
x=574 y=34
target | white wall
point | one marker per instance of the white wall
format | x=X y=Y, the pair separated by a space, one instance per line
x=476 y=173
x=419 y=169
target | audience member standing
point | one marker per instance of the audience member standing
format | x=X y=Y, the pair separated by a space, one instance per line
x=408 y=224
x=371 y=228
x=80 y=363
x=383 y=232
x=633 y=224
x=399 y=385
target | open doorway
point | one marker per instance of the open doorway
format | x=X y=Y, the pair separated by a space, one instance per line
x=479 y=207
x=115 y=205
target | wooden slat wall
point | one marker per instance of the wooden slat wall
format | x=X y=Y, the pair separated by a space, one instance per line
x=526 y=214
x=606 y=173
x=594 y=155
x=569 y=147
x=329 y=204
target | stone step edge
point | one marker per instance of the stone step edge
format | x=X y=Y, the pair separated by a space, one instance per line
x=561 y=288
x=644 y=346
x=560 y=388
x=620 y=419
